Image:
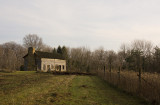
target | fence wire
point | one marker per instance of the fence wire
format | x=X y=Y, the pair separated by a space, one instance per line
x=129 y=82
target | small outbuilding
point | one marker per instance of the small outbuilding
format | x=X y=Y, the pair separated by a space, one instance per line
x=43 y=61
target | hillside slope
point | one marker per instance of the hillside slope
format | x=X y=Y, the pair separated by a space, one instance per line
x=30 y=88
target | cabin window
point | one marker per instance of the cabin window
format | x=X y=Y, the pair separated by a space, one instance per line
x=44 y=67
x=63 y=67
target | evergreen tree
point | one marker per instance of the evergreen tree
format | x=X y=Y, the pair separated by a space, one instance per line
x=54 y=51
x=64 y=53
x=59 y=50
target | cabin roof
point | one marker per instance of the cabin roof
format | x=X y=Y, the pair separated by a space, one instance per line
x=41 y=54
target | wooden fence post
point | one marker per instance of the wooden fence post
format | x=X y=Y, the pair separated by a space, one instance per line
x=119 y=75
x=104 y=71
x=110 y=73
x=140 y=71
x=140 y=75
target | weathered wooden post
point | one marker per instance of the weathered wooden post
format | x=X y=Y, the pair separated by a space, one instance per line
x=119 y=76
x=139 y=70
x=110 y=68
x=104 y=71
x=140 y=76
x=138 y=54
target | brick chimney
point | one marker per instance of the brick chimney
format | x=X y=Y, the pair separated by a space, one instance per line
x=31 y=50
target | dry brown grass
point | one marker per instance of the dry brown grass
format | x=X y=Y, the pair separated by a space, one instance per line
x=129 y=82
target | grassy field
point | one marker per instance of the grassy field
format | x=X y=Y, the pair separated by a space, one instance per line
x=30 y=88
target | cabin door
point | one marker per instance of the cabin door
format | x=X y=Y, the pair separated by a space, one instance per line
x=48 y=68
x=59 y=67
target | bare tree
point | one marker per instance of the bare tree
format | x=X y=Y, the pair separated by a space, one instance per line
x=11 y=56
x=46 y=48
x=32 y=40
x=79 y=59
x=111 y=59
x=98 y=58
x=143 y=46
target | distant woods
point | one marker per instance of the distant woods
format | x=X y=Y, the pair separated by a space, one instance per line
x=139 y=54
x=11 y=56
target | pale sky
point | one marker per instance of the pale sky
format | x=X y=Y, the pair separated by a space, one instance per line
x=75 y=23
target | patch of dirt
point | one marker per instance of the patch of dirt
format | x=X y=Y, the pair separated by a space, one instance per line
x=58 y=96
x=84 y=97
x=54 y=94
x=87 y=86
x=84 y=86
x=67 y=94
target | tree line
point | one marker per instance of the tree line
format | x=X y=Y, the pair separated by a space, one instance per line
x=139 y=54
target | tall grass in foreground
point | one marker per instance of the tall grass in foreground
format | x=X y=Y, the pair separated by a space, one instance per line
x=149 y=88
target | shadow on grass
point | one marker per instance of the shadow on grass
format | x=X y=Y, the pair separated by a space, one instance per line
x=67 y=73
